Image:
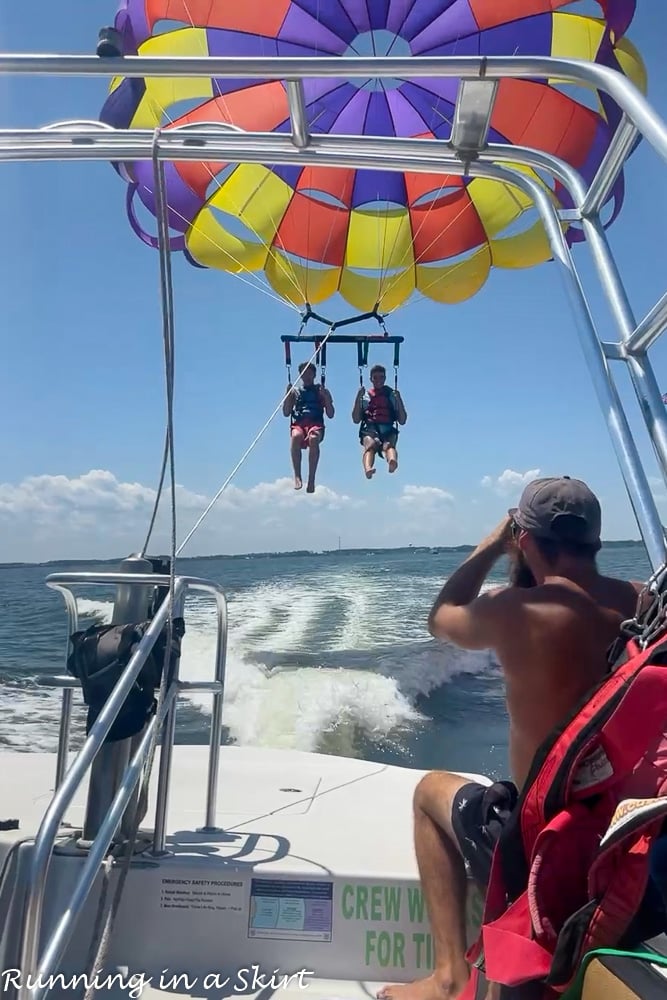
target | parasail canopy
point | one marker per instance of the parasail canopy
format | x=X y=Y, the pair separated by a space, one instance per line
x=374 y=236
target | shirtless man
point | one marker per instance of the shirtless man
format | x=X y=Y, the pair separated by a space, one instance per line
x=550 y=631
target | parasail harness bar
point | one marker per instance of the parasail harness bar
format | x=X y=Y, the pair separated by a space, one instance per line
x=362 y=340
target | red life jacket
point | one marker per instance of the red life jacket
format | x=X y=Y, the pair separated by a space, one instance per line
x=378 y=406
x=571 y=869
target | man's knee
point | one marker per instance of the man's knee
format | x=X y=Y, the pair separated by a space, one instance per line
x=434 y=795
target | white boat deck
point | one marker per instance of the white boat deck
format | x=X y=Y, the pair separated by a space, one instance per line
x=315 y=871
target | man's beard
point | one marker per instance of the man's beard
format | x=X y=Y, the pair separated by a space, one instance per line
x=520 y=573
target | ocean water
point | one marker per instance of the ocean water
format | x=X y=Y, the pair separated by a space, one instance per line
x=326 y=652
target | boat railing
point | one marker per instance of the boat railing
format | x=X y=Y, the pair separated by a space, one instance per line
x=38 y=966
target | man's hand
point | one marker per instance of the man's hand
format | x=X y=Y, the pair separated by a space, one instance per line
x=360 y=393
x=500 y=537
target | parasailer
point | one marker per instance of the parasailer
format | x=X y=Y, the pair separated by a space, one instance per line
x=379 y=411
x=306 y=406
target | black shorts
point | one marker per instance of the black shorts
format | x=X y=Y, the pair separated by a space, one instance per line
x=479 y=813
x=381 y=433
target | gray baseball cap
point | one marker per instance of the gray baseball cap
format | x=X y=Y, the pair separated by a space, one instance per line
x=560 y=509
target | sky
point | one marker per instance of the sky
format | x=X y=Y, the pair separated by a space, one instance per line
x=496 y=389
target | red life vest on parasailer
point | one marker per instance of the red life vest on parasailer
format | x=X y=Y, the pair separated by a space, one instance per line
x=378 y=406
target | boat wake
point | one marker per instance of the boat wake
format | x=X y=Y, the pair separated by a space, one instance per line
x=311 y=664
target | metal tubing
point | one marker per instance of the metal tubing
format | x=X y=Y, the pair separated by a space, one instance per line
x=58 y=941
x=64 y=681
x=619 y=87
x=61 y=581
x=199 y=686
x=649 y=329
x=298 y=113
x=610 y=168
x=58 y=580
x=48 y=830
x=164 y=779
x=622 y=440
x=216 y=715
x=63 y=735
x=641 y=372
x=66 y=711
x=166 y=754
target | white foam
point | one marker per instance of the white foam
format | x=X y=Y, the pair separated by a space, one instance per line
x=307 y=657
x=99 y=610
x=273 y=700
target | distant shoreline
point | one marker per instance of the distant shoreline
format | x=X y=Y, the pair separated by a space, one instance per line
x=294 y=554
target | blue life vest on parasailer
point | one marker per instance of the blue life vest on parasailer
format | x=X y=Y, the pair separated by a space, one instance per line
x=308 y=407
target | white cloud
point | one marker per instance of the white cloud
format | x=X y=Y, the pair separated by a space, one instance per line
x=509 y=482
x=281 y=493
x=97 y=515
x=428 y=498
x=44 y=497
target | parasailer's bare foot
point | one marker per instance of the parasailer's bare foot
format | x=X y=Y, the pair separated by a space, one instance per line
x=297 y=483
x=392 y=465
x=370 y=473
x=310 y=488
x=434 y=987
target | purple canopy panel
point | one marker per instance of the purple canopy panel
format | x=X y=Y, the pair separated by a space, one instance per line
x=620 y=14
x=332 y=15
x=337 y=111
x=301 y=28
x=428 y=12
x=436 y=110
x=399 y=11
x=131 y=21
x=357 y=11
x=406 y=119
x=454 y=25
x=378 y=11
x=352 y=115
x=373 y=186
x=468 y=46
x=532 y=38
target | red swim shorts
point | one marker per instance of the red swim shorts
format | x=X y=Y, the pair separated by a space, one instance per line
x=308 y=430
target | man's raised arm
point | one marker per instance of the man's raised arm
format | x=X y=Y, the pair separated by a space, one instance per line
x=460 y=613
